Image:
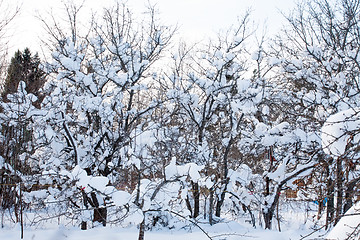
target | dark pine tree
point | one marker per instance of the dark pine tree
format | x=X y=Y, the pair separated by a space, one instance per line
x=25 y=67
x=17 y=139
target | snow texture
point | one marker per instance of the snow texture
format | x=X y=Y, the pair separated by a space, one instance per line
x=190 y=169
x=346 y=225
x=338 y=130
x=120 y=198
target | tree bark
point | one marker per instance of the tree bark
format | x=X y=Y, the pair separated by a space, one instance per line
x=330 y=202
x=225 y=178
x=83 y=225
x=142 y=230
x=220 y=202
x=339 y=189
x=211 y=206
x=100 y=213
x=349 y=194
x=267 y=186
x=320 y=208
x=196 y=194
x=188 y=205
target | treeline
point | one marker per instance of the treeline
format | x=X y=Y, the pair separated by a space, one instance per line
x=120 y=127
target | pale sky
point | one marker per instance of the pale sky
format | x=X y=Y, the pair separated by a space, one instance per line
x=197 y=19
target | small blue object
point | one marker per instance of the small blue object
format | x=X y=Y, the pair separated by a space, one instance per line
x=324 y=201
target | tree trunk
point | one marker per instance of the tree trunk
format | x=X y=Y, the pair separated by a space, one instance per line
x=21 y=212
x=269 y=212
x=211 y=206
x=196 y=193
x=142 y=230
x=330 y=202
x=188 y=205
x=225 y=178
x=100 y=213
x=83 y=225
x=320 y=208
x=267 y=186
x=268 y=215
x=339 y=189
x=349 y=194
x=220 y=201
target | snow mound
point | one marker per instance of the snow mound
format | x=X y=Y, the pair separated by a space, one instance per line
x=347 y=225
x=190 y=169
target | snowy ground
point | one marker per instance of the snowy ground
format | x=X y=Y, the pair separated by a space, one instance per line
x=219 y=231
x=295 y=229
x=294 y=225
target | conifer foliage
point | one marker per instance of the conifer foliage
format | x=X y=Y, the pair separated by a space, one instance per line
x=24 y=66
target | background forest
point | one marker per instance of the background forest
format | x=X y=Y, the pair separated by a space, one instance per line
x=122 y=125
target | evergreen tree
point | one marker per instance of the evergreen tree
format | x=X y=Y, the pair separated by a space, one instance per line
x=24 y=75
x=25 y=67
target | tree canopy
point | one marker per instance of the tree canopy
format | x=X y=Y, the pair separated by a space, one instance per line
x=130 y=130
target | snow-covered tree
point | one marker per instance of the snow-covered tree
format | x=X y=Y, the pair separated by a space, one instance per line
x=213 y=103
x=97 y=105
x=318 y=70
x=17 y=145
